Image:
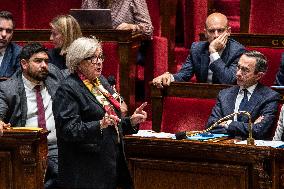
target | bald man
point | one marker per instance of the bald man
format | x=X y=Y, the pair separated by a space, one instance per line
x=211 y=61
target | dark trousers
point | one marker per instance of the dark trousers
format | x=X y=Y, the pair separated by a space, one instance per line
x=52 y=168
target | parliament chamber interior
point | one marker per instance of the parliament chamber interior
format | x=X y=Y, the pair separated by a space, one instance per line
x=162 y=162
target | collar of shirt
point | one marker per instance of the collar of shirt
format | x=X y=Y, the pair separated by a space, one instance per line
x=250 y=90
x=2 y=52
x=30 y=85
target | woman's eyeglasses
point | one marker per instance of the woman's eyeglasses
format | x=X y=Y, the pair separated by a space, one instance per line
x=96 y=59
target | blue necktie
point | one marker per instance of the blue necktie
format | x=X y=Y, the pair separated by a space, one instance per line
x=243 y=103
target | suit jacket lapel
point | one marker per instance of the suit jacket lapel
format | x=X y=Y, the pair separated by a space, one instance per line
x=204 y=64
x=254 y=99
x=23 y=98
x=231 y=100
x=6 y=60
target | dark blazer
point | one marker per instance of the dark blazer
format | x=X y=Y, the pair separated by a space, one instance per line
x=197 y=63
x=280 y=74
x=88 y=158
x=56 y=59
x=263 y=102
x=13 y=101
x=10 y=62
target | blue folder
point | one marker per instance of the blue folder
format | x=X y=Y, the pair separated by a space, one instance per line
x=206 y=136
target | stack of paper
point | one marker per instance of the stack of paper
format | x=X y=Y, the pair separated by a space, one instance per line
x=150 y=133
x=273 y=144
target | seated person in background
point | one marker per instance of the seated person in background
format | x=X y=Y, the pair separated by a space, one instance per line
x=64 y=30
x=211 y=61
x=280 y=124
x=280 y=74
x=126 y=14
x=19 y=94
x=249 y=95
x=88 y=125
x=8 y=51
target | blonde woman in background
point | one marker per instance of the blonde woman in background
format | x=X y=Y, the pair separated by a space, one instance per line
x=64 y=30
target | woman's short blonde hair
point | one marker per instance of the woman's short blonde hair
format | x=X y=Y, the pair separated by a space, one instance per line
x=79 y=50
x=69 y=28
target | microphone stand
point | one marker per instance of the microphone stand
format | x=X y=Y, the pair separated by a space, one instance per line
x=250 y=139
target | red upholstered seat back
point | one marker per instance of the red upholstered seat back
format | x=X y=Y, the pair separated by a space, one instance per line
x=266 y=17
x=16 y=8
x=111 y=63
x=274 y=57
x=40 y=12
x=37 y=14
x=185 y=114
x=230 y=8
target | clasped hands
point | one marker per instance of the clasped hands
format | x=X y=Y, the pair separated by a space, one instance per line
x=137 y=117
x=226 y=123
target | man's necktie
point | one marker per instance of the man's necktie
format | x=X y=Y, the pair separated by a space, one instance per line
x=243 y=103
x=40 y=108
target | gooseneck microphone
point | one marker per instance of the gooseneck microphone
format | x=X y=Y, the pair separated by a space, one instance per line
x=250 y=140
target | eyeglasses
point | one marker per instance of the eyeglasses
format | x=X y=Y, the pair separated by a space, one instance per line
x=243 y=70
x=96 y=59
x=219 y=30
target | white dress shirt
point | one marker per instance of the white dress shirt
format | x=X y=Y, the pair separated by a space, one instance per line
x=2 y=52
x=32 y=120
x=240 y=96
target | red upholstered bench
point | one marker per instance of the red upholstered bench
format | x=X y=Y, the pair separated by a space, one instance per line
x=183 y=106
x=185 y=114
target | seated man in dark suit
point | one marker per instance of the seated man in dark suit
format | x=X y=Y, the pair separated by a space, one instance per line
x=249 y=95
x=211 y=61
x=26 y=100
x=8 y=51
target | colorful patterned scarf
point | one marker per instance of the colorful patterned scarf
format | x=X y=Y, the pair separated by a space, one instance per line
x=103 y=96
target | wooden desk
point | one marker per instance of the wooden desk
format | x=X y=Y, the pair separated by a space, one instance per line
x=23 y=159
x=173 y=164
x=128 y=45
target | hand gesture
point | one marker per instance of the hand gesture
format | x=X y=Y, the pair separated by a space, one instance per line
x=109 y=120
x=3 y=126
x=219 y=43
x=139 y=115
x=259 y=119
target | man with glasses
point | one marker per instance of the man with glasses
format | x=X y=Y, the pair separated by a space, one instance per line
x=211 y=61
x=26 y=100
x=8 y=51
x=250 y=96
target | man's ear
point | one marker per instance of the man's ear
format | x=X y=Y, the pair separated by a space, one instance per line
x=24 y=64
x=205 y=33
x=260 y=75
x=229 y=30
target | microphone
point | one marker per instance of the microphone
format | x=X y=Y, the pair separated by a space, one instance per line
x=181 y=135
x=250 y=140
x=111 y=80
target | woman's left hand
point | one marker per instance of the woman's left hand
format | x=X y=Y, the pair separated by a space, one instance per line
x=139 y=115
